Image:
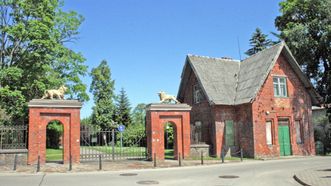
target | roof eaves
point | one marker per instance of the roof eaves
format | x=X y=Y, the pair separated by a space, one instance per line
x=199 y=80
x=181 y=77
x=297 y=69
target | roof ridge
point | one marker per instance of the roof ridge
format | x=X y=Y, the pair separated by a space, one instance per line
x=217 y=58
x=276 y=45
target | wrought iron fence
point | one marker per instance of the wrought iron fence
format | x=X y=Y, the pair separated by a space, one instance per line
x=13 y=137
x=106 y=144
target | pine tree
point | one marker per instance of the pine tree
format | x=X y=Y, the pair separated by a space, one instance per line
x=102 y=88
x=258 y=42
x=123 y=110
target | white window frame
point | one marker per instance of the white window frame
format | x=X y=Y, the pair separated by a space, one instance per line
x=298 y=131
x=268 y=128
x=280 y=88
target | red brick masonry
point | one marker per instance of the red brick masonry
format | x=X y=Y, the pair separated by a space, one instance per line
x=41 y=112
x=156 y=117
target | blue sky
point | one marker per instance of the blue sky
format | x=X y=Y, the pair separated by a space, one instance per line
x=145 y=41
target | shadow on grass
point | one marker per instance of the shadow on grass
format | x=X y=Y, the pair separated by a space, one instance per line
x=169 y=154
x=54 y=155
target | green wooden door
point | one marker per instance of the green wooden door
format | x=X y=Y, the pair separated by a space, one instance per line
x=284 y=140
x=229 y=133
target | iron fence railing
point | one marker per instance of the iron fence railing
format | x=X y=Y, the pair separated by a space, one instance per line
x=13 y=137
x=95 y=144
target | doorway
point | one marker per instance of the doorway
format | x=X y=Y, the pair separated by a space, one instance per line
x=169 y=140
x=284 y=137
x=54 y=142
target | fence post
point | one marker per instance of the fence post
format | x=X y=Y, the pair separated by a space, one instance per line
x=113 y=143
x=201 y=158
x=222 y=156
x=179 y=160
x=15 y=162
x=241 y=154
x=100 y=162
x=38 y=164
x=154 y=159
x=70 y=162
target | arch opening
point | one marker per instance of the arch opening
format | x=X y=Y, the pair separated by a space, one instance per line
x=54 y=142
x=170 y=142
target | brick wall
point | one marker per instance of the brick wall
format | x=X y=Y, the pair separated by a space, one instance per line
x=155 y=122
x=38 y=121
x=222 y=113
x=244 y=129
x=200 y=111
x=297 y=106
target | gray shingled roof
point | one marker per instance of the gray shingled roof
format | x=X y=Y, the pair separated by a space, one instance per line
x=230 y=82
x=253 y=71
x=217 y=76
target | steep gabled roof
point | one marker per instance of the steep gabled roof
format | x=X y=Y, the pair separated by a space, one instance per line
x=253 y=72
x=217 y=77
x=230 y=82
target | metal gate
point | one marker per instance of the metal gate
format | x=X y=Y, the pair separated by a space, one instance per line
x=107 y=145
x=13 y=137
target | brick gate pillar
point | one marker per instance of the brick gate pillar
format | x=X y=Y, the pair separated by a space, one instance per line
x=41 y=112
x=156 y=117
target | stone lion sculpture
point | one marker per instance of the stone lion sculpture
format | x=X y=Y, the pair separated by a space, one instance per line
x=165 y=98
x=53 y=93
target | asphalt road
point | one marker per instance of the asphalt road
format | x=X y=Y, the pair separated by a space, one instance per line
x=266 y=173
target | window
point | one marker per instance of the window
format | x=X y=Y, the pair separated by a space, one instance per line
x=298 y=130
x=269 y=132
x=280 y=89
x=229 y=133
x=197 y=94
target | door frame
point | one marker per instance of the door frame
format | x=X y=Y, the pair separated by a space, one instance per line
x=289 y=132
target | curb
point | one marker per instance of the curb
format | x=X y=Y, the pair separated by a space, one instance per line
x=300 y=181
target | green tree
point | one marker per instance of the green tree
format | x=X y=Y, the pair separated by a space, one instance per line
x=102 y=88
x=139 y=114
x=258 y=42
x=86 y=121
x=123 y=110
x=322 y=132
x=305 y=25
x=133 y=135
x=54 y=131
x=33 y=53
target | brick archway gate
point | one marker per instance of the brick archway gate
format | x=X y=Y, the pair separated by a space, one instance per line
x=156 y=117
x=41 y=112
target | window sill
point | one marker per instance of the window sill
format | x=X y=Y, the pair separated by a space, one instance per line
x=281 y=96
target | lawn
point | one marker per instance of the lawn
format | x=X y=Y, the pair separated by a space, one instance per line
x=169 y=153
x=128 y=151
x=54 y=154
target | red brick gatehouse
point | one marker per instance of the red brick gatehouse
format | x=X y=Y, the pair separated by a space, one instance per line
x=261 y=104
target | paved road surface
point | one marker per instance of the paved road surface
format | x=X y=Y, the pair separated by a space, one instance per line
x=257 y=173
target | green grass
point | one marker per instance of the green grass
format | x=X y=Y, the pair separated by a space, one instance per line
x=54 y=154
x=129 y=151
x=169 y=153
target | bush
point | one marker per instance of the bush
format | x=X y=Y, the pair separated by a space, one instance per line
x=322 y=132
x=133 y=135
x=54 y=133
